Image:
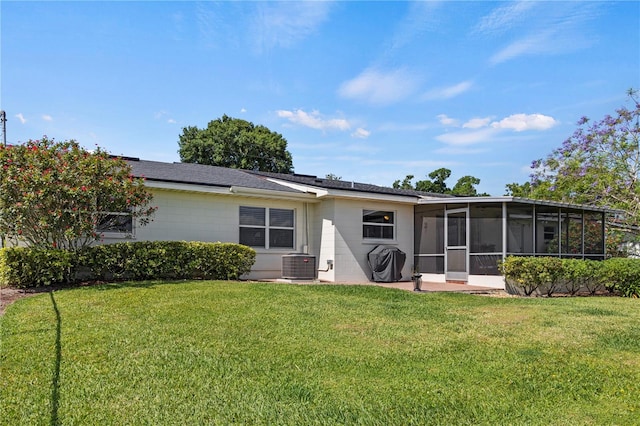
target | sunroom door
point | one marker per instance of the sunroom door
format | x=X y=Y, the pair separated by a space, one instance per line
x=456 y=261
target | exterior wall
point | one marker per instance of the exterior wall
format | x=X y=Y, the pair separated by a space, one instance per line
x=323 y=242
x=492 y=281
x=190 y=216
x=343 y=225
x=334 y=230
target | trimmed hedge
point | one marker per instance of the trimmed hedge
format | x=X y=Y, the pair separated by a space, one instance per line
x=549 y=275
x=27 y=267
x=31 y=267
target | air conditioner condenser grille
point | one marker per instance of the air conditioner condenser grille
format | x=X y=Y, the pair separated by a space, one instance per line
x=298 y=266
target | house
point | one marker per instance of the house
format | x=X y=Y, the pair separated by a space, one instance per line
x=337 y=223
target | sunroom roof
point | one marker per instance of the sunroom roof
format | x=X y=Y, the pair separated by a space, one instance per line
x=507 y=199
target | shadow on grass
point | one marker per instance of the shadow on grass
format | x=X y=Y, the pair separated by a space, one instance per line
x=55 y=385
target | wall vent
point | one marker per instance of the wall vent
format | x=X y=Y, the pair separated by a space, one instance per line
x=299 y=266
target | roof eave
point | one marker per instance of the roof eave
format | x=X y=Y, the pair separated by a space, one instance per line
x=507 y=199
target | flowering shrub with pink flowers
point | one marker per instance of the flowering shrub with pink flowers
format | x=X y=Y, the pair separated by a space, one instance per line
x=54 y=194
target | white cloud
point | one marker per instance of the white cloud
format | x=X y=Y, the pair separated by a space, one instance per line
x=47 y=117
x=477 y=123
x=420 y=18
x=378 y=87
x=314 y=120
x=522 y=122
x=171 y=121
x=283 y=24
x=243 y=110
x=468 y=137
x=361 y=133
x=536 y=43
x=479 y=130
x=505 y=17
x=559 y=27
x=448 y=92
x=447 y=121
x=21 y=118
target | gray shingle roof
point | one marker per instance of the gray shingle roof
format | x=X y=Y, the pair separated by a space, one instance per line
x=224 y=177
x=201 y=175
x=345 y=185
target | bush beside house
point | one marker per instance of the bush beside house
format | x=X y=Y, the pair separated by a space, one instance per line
x=30 y=267
x=550 y=275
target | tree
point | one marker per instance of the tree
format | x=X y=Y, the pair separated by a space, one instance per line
x=56 y=194
x=405 y=184
x=598 y=165
x=518 y=190
x=465 y=186
x=235 y=143
x=437 y=183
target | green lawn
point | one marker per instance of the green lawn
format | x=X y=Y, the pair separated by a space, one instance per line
x=246 y=353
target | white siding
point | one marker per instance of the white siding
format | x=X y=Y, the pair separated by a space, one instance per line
x=323 y=238
x=186 y=216
x=334 y=230
x=338 y=237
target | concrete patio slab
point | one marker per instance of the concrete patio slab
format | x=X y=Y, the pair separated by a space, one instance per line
x=427 y=287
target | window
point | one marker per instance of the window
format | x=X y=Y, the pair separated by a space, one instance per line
x=520 y=229
x=594 y=234
x=571 y=232
x=115 y=223
x=266 y=227
x=429 y=239
x=377 y=224
x=486 y=228
x=280 y=228
x=547 y=231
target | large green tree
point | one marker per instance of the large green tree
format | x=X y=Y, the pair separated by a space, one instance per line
x=598 y=165
x=436 y=184
x=236 y=143
x=57 y=194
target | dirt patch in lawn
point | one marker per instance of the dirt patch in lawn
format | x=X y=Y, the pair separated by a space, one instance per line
x=9 y=295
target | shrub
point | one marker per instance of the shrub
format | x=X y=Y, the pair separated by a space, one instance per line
x=525 y=275
x=516 y=275
x=28 y=267
x=549 y=271
x=33 y=267
x=580 y=274
x=622 y=275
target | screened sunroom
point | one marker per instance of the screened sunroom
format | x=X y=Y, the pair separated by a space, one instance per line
x=462 y=239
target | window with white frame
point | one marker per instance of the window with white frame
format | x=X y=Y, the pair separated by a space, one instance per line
x=115 y=223
x=267 y=227
x=378 y=224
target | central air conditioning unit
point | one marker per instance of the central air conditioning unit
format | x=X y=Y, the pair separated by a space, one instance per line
x=299 y=266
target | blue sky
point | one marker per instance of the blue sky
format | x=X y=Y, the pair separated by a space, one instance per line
x=369 y=91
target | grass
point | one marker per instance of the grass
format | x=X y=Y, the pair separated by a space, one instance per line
x=246 y=353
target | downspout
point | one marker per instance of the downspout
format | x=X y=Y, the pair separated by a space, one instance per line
x=305 y=214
